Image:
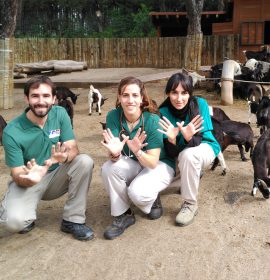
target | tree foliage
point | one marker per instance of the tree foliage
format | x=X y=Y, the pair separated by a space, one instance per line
x=92 y=18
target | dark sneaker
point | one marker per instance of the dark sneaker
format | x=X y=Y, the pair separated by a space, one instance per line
x=156 y=210
x=28 y=228
x=120 y=223
x=79 y=231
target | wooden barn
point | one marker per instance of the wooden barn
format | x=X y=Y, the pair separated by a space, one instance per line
x=250 y=19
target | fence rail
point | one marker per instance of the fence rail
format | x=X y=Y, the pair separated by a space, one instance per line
x=165 y=52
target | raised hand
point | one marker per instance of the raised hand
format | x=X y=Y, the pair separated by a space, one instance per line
x=112 y=143
x=34 y=172
x=137 y=143
x=59 y=153
x=194 y=126
x=168 y=129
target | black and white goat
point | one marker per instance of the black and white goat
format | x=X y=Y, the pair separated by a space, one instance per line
x=261 y=165
x=94 y=96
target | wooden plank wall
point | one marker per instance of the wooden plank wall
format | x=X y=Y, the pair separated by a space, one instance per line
x=162 y=52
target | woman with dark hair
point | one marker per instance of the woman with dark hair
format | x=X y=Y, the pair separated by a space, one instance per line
x=138 y=168
x=186 y=140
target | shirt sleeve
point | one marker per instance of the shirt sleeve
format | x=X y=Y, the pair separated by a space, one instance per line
x=112 y=122
x=13 y=152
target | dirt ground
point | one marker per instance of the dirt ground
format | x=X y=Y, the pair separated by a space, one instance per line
x=230 y=238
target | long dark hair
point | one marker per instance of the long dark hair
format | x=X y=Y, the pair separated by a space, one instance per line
x=186 y=82
x=147 y=102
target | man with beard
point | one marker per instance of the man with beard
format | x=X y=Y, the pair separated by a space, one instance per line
x=45 y=163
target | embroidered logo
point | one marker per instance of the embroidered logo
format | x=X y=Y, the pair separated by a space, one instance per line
x=54 y=133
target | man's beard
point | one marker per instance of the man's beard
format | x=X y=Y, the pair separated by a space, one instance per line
x=40 y=114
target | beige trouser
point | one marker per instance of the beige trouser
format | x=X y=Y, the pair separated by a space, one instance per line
x=190 y=162
x=19 y=206
x=126 y=180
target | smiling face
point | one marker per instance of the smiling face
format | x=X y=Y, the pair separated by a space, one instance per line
x=40 y=100
x=130 y=99
x=179 y=97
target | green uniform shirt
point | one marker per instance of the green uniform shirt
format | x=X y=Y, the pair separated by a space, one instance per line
x=116 y=122
x=207 y=135
x=24 y=140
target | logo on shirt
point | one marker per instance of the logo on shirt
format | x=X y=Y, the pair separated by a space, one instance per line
x=54 y=133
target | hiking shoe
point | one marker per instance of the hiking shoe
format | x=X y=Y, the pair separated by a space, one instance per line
x=119 y=224
x=28 y=228
x=79 y=231
x=186 y=215
x=156 y=209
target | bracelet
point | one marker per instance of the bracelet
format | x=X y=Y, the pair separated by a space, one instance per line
x=139 y=153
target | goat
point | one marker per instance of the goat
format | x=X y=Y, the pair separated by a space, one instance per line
x=3 y=124
x=235 y=133
x=218 y=114
x=69 y=108
x=103 y=125
x=254 y=93
x=261 y=165
x=218 y=133
x=62 y=93
x=258 y=55
x=195 y=76
x=263 y=114
x=94 y=96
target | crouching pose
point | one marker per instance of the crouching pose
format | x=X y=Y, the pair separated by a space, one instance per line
x=186 y=140
x=138 y=168
x=45 y=163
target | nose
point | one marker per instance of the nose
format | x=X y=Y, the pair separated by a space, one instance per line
x=179 y=97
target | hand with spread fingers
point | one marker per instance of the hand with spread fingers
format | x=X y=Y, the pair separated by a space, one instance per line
x=137 y=143
x=194 y=126
x=168 y=129
x=34 y=172
x=112 y=143
x=59 y=153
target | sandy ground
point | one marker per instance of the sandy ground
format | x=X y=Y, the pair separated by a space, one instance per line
x=230 y=238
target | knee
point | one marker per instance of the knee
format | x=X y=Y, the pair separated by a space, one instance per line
x=137 y=196
x=15 y=223
x=85 y=162
x=108 y=168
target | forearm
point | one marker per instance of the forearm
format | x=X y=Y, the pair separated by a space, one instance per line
x=147 y=159
x=23 y=182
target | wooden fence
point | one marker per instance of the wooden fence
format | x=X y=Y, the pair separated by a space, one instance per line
x=165 y=52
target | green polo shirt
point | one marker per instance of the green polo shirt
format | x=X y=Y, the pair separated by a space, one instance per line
x=24 y=140
x=207 y=135
x=116 y=122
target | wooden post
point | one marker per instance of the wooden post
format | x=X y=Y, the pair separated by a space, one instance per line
x=6 y=73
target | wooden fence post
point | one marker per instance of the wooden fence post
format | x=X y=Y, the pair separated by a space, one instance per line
x=6 y=73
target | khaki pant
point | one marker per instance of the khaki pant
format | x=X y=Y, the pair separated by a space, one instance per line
x=19 y=206
x=127 y=181
x=191 y=162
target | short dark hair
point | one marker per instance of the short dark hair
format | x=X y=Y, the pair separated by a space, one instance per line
x=35 y=82
x=179 y=78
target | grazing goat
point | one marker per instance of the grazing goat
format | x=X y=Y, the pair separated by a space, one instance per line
x=2 y=126
x=261 y=165
x=62 y=93
x=94 y=96
x=69 y=108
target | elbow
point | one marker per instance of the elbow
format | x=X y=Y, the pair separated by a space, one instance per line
x=153 y=164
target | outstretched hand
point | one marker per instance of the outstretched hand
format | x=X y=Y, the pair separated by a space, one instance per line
x=137 y=143
x=168 y=129
x=59 y=154
x=194 y=126
x=34 y=172
x=112 y=143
